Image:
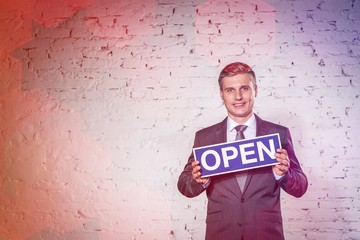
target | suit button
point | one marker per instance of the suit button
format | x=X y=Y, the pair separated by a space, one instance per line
x=242 y=200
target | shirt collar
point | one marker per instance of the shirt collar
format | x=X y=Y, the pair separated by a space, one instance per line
x=250 y=123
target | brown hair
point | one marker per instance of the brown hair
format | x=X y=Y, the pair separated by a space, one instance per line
x=234 y=69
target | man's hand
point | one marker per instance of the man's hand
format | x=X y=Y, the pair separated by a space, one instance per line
x=282 y=157
x=196 y=173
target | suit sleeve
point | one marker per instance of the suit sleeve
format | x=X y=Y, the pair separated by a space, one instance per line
x=186 y=184
x=295 y=181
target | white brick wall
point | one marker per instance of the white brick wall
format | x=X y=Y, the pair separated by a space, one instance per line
x=98 y=111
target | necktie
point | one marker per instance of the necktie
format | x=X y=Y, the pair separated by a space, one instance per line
x=240 y=132
x=241 y=176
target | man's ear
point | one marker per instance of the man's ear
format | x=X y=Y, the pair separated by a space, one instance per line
x=256 y=90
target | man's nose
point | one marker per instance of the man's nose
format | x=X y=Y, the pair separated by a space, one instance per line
x=238 y=95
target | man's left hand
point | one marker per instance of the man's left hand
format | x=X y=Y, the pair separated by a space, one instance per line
x=282 y=157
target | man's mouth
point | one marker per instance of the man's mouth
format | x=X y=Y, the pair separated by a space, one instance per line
x=238 y=104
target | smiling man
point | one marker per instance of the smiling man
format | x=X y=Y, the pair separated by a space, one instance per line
x=243 y=205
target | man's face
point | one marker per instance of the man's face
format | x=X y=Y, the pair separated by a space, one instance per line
x=238 y=93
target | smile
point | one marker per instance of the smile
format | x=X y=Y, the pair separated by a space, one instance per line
x=239 y=104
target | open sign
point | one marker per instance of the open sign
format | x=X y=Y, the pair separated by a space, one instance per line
x=238 y=155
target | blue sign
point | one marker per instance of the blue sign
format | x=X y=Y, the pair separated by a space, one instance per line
x=238 y=155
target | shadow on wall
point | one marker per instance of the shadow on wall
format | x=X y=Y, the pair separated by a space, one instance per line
x=53 y=174
x=49 y=167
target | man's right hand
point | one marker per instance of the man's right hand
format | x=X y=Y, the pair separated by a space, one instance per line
x=196 y=173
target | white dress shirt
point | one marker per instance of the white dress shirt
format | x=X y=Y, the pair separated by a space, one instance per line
x=250 y=131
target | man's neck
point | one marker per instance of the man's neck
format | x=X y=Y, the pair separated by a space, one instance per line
x=241 y=120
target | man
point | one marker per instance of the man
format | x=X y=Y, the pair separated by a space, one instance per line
x=247 y=209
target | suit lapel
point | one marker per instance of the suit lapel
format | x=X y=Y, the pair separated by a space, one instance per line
x=260 y=130
x=220 y=132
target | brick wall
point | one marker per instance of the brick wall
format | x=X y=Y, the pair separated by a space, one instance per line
x=100 y=100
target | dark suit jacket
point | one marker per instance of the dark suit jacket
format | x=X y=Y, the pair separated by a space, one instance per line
x=255 y=213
